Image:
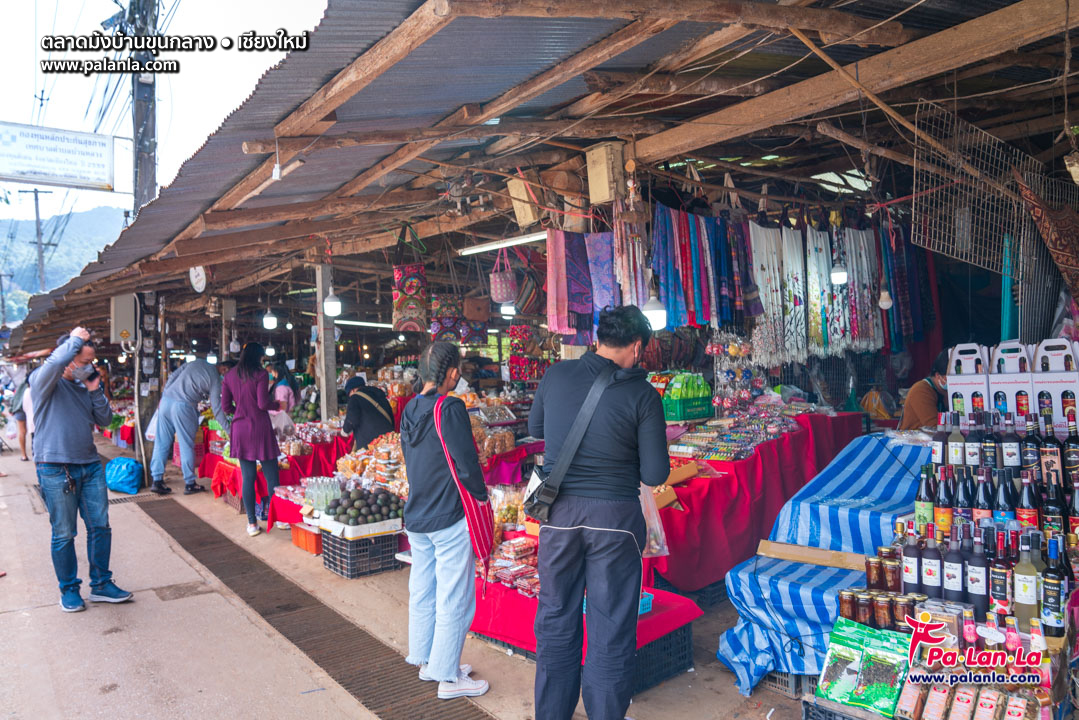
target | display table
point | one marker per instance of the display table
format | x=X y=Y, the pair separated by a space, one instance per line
x=510 y=617
x=282 y=510
x=226 y=477
x=505 y=469
x=724 y=517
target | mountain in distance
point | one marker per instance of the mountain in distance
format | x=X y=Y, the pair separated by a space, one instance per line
x=80 y=236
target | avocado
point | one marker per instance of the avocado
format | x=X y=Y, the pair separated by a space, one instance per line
x=342 y=518
x=353 y=522
x=334 y=503
x=355 y=495
x=353 y=512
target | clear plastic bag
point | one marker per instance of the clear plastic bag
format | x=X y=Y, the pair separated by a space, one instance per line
x=656 y=542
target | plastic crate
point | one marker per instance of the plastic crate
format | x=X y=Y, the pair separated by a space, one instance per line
x=819 y=709
x=786 y=684
x=235 y=502
x=200 y=453
x=809 y=684
x=687 y=408
x=362 y=556
x=307 y=538
x=663 y=658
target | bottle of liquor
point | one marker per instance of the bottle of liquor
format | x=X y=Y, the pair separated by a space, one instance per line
x=1067 y=402
x=977 y=401
x=958 y=406
x=956 y=442
x=966 y=541
x=1013 y=541
x=1036 y=556
x=1045 y=364
x=963 y=509
x=1009 y=444
x=1003 y=507
x=1071 y=453
x=923 y=501
x=1022 y=364
x=939 y=441
x=970 y=631
x=953 y=569
x=976 y=571
x=1071 y=555
x=1038 y=644
x=1053 y=510
x=1045 y=403
x=931 y=565
x=1000 y=580
x=1025 y=594
x=943 y=507
x=991 y=454
x=1000 y=401
x=1030 y=447
x=900 y=538
x=1022 y=403
x=912 y=562
x=994 y=631
x=978 y=366
x=1052 y=452
x=972 y=447
x=1027 y=510
x=1065 y=564
x=983 y=499
x=1054 y=599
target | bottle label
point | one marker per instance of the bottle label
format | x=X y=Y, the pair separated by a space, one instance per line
x=953 y=576
x=923 y=514
x=1073 y=525
x=938 y=452
x=980 y=515
x=961 y=515
x=989 y=455
x=1003 y=516
x=973 y=454
x=931 y=572
x=942 y=516
x=1029 y=457
x=1050 y=458
x=955 y=453
x=976 y=584
x=1000 y=590
x=1071 y=462
x=1022 y=404
x=910 y=572
x=1052 y=603
x=1027 y=517
x=1010 y=451
x=1052 y=525
x=1026 y=589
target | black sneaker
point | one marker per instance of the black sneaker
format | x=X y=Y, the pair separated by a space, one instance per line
x=193 y=488
x=160 y=488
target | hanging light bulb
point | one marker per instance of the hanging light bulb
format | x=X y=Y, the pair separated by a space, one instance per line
x=885 y=301
x=839 y=274
x=122 y=359
x=189 y=358
x=655 y=312
x=288 y=326
x=508 y=310
x=332 y=304
x=367 y=356
x=212 y=358
x=365 y=346
x=169 y=344
x=401 y=337
x=194 y=342
x=270 y=351
x=269 y=320
x=341 y=347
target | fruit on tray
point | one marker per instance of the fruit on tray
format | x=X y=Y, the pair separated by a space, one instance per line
x=361 y=506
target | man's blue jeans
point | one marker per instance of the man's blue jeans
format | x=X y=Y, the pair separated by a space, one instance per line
x=90 y=498
x=180 y=421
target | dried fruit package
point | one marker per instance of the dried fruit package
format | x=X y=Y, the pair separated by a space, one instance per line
x=882 y=673
x=842 y=662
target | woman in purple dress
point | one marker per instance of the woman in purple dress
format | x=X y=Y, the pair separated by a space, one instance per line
x=245 y=391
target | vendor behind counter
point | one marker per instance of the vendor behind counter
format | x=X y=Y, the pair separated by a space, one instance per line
x=927 y=398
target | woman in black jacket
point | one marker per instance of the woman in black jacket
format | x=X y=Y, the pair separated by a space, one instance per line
x=368 y=415
x=441 y=584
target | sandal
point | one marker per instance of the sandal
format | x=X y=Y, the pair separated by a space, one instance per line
x=25 y=459
x=193 y=488
x=160 y=489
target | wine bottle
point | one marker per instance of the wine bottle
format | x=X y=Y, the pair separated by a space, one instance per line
x=923 y=501
x=956 y=442
x=1000 y=580
x=1045 y=403
x=972 y=447
x=953 y=569
x=966 y=541
x=1030 y=447
x=1003 y=506
x=977 y=401
x=1053 y=599
x=958 y=406
x=944 y=507
x=963 y=508
x=931 y=565
x=1071 y=453
x=1052 y=455
x=1009 y=444
x=1066 y=564
x=1053 y=511
x=1000 y=401
x=1073 y=508
x=1067 y=402
x=991 y=451
x=983 y=499
x=1027 y=510
x=912 y=562
x=976 y=570
x=900 y=538
x=939 y=441
x=1025 y=593
x=1071 y=556
x=1022 y=403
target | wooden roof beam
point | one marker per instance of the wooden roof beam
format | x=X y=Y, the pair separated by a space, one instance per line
x=834 y=23
x=665 y=84
x=231 y=219
x=611 y=46
x=428 y=228
x=1014 y=26
x=225 y=255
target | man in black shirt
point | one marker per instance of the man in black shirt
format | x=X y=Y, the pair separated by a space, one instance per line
x=596 y=531
x=369 y=413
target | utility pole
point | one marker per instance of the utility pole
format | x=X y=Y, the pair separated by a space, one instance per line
x=40 y=245
x=142 y=21
x=3 y=300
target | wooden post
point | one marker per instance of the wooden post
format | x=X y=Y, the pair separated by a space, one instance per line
x=327 y=350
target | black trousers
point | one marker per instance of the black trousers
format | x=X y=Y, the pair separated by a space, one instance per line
x=596 y=545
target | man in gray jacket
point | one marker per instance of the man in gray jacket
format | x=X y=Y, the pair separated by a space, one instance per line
x=178 y=419
x=68 y=401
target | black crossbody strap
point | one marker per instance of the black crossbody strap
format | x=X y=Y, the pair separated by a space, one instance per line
x=580 y=424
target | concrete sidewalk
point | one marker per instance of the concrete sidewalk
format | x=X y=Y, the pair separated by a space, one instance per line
x=188 y=647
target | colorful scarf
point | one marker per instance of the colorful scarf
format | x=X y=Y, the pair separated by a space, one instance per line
x=819 y=292
x=768 y=332
x=558 y=320
x=794 y=306
x=600 y=248
x=578 y=291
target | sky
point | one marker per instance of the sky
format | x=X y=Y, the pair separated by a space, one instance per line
x=191 y=104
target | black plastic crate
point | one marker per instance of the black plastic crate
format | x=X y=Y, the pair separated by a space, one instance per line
x=657 y=661
x=819 y=709
x=361 y=556
x=786 y=684
x=707 y=597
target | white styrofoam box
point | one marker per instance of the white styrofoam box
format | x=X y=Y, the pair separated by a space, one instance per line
x=351 y=532
x=968 y=359
x=1055 y=389
x=1010 y=357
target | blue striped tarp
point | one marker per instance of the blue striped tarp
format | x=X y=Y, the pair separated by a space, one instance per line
x=852 y=504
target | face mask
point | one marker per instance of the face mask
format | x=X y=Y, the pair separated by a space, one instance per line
x=82 y=372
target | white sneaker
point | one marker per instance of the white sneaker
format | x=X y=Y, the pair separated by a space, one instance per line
x=253 y=530
x=464 y=687
x=282 y=526
x=465 y=670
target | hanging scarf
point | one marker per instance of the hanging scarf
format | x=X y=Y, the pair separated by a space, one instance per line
x=818 y=294
x=721 y=262
x=578 y=291
x=600 y=248
x=794 y=306
x=665 y=266
x=839 y=319
x=557 y=293
x=768 y=332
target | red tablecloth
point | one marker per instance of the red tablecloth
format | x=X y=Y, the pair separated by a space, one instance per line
x=505 y=469
x=726 y=517
x=282 y=510
x=226 y=477
x=127 y=434
x=506 y=615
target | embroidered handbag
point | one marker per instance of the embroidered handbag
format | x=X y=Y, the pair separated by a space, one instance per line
x=503 y=280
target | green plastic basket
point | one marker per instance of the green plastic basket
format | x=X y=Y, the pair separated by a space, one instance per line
x=687 y=409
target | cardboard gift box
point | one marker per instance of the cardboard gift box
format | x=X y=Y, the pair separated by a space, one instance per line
x=1011 y=382
x=1056 y=382
x=968 y=379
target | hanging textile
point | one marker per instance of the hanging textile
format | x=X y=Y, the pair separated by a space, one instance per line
x=863 y=290
x=819 y=291
x=578 y=291
x=557 y=293
x=1059 y=230
x=1009 y=311
x=409 y=298
x=706 y=233
x=665 y=266
x=794 y=305
x=605 y=293
x=768 y=332
x=742 y=257
x=722 y=281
